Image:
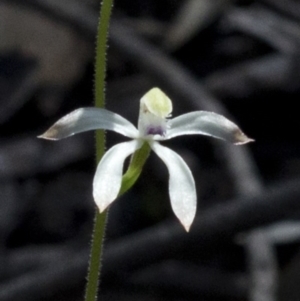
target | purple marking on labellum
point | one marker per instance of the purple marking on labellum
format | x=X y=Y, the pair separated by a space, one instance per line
x=155 y=131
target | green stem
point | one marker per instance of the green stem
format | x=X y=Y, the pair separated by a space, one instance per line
x=91 y=293
x=134 y=169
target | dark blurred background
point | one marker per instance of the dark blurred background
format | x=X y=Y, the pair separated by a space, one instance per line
x=237 y=58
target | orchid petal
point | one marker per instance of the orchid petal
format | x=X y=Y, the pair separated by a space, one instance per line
x=181 y=185
x=86 y=119
x=206 y=123
x=108 y=176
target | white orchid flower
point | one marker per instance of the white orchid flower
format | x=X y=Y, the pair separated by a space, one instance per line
x=154 y=125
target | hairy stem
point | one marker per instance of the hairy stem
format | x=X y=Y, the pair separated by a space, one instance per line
x=94 y=271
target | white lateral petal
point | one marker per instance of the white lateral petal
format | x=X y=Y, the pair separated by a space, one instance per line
x=108 y=176
x=86 y=119
x=181 y=185
x=206 y=123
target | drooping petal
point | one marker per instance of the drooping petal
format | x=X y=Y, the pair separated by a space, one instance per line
x=86 y=119
x=108 y=176
x=206 y=123
x=181 y=185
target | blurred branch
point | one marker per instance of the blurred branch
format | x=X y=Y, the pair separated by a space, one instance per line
x=280 y=33
x=262 y=264
x=193 y=15
x=24 y=260
x=46 y=280
x=80 y=16
x=18 y=82
x=272 y=72
x=289 y=7
x=261 y=256
x=283 y=232
x=27 y=156
x=186 y=278
x=261 y=253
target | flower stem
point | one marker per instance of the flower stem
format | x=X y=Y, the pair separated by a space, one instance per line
x=135 y=166
x=91 y=293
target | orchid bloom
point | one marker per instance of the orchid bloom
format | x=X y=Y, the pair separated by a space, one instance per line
x=154 y=125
